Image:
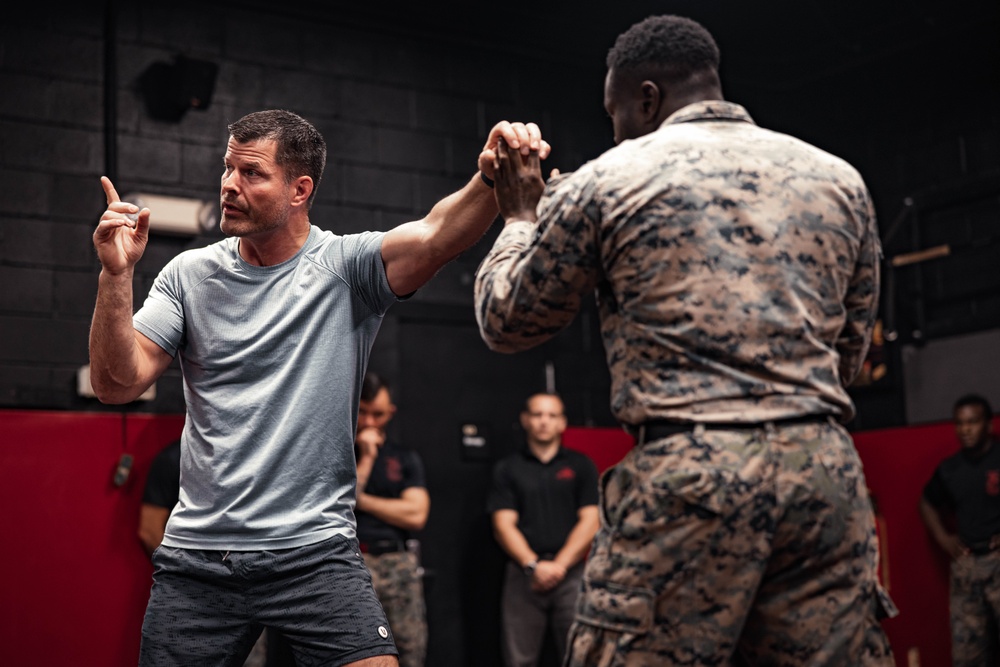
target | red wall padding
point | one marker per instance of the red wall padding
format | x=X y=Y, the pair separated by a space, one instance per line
x=74 y=580
x=604 y=446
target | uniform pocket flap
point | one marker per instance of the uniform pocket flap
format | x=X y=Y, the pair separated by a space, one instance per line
x=615 y=607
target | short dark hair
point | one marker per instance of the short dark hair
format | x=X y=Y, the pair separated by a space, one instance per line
x=673 y=46
x=301 y=149
x=372 y=385
x=550 y=394
x=971 y=400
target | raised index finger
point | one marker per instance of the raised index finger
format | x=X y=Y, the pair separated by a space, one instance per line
x=109 y=190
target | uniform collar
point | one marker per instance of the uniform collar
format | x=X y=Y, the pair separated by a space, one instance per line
x=709 y=110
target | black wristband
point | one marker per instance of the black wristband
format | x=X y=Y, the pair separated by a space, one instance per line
x=486 y=179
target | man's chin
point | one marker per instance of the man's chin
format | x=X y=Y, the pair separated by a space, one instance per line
x=233 y=228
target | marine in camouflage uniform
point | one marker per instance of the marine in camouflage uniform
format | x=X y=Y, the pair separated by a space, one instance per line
x=736 y=271
x=398 y=581
x=960 y=506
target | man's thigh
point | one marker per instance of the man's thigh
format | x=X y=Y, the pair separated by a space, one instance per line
x=399 y=586
x=524 y=619
x=192 y=616
x=321 y=598
x=684 y=539
x=819 y=601
x=973 y=624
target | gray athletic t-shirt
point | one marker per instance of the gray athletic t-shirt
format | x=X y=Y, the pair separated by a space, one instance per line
x=273 y=359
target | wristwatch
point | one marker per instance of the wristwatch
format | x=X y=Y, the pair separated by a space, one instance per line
x=529 y=568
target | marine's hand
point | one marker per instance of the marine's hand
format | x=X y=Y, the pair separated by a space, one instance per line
x=122 y=232
x=524 y=137
x=954 y=546
x=519 y=182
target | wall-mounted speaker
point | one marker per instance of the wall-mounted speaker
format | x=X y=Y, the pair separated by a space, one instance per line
x=170 y=89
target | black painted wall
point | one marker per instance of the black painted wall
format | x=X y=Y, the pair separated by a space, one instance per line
x=405 y=95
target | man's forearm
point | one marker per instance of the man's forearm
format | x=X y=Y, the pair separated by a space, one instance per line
x=460 y=219
x=861 y=304
x=514 y=544
x=113 y=362
x=513 y=309
x=578 y=542
x=415 y=251
x=404 y=513
x=932 y=520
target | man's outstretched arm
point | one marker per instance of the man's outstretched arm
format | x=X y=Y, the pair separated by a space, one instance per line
x=123 y=363
x=415 y=251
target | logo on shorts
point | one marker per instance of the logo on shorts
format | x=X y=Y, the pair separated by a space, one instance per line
x=382 y=632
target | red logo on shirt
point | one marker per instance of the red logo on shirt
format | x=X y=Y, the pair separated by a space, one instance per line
x=993 y=482
x=393 y=469
x=566 y=474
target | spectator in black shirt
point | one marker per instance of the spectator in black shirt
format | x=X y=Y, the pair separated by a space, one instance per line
x=392 y=504
x=965 y=488
x=544 y=511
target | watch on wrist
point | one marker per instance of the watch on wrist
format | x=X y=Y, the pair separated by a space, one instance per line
x=529 y=568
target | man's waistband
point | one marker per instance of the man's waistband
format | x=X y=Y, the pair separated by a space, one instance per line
x=657 y=429
x=985 y=547
x=380 y=547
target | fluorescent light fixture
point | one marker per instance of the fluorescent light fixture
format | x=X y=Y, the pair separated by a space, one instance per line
x=176 y=215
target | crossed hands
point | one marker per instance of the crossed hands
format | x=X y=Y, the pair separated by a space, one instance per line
x=122 y=232
x=512 y=159
x=548 y=574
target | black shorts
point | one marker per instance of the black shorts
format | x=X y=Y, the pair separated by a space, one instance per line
x=207 y=608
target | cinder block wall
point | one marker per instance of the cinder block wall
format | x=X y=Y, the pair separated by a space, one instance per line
x=405 y=115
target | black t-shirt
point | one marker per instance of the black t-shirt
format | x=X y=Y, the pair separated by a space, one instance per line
x=546 y=496
x=163 y=485
x=395 y=470
x=971 y=489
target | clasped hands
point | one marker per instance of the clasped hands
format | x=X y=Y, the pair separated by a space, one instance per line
x=548 y=574
x=512 y=159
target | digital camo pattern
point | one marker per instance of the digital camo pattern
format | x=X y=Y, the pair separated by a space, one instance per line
x=736 y=271
x=735 y=547
x=974 y=606
x=399 y=585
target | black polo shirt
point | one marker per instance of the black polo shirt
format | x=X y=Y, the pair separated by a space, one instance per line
x=395 y=470
x=546 y=496
x=971 y=489
x=163 y=484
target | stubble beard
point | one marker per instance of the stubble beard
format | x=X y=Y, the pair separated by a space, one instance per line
x=249 y=223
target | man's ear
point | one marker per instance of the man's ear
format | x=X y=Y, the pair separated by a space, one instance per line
x=303 y=187
x=651 y=99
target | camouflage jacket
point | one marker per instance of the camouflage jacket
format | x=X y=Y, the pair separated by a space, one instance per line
x=736 y=271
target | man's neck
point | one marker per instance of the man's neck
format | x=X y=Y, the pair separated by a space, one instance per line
x=274 y=247
x=544 y=451
x=980 y=450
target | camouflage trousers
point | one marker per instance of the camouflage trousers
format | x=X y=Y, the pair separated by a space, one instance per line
x=975 y=610
x=398 y=581
x=734 y=547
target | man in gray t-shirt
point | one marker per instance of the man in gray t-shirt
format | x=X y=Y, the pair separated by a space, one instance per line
x=272 y=328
